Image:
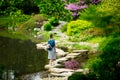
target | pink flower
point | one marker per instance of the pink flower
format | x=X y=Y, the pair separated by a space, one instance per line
x=72 y=64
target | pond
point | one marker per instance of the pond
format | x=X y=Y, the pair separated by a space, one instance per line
x=22 y=56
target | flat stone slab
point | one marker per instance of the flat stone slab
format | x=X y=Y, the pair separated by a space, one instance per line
x=60 y=53
x=62 y=70
x=73 y=54
x=48 y=66
x=80 y=51
x=61 y=60
x=64 y=74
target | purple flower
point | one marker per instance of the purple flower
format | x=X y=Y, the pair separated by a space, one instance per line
x=83 y=6
x=95 y=1
x=72 y=64
x=74 y=14
x=72 y=7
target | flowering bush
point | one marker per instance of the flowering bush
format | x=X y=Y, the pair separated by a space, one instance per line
x=72 y=64
x=75 y=8
x=82 y=4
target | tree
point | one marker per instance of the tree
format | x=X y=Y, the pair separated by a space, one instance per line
x=54 y=8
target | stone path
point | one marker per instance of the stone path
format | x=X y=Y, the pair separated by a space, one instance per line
x=58 y=71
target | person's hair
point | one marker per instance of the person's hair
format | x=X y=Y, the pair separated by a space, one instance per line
x=51 y=35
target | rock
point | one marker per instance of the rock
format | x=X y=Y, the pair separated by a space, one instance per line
x=79 y=70
x=86 y=71
x=48 y=66
x=41 y=46
x=63 y=71
x=58 y=66
x=61 y=60
x=64 y=74
x=73 y=55
x=54 y=66
x=80 y=51
x=60 y=53
x=60 y=70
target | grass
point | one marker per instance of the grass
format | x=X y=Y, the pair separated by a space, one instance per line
x=4 y=20
x=96 y=39
x=78 y=47
x=14 y=35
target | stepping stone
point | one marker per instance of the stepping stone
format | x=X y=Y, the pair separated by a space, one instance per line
x=74 y=54
x=64 y=74
x=60 y=53
x=80 y=51
x=61 y=60
x=54 y=66
x=48 y=66
x=60 y=70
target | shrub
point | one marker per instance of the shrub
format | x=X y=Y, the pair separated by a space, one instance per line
x=77 y=26
x=54 y=21
x=64 y=28
x=81 y=76
x=47 y=26
x=105 y=64
x=29 y=25
x=80 y=47
x=110 y=56
x=77 y=76
x=13 y=20
x=54 y=8
x=102 y=15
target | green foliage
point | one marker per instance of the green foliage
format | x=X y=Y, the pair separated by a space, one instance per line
x=54 y=21
x=4 y=20
x=92 y=14
x=71 y=1
x=97 y=39
x=80 y=37
x=7 y=6
x=105 y=64
x=103 y=15
x=80 y=47
x=16 y=18
x=77 y=76
x=64 y=28
x=29 y=25
x=13 y=20
x=80 y=76
x=110 y=53
x=14 y=35
x=48 y=26
x=75 y=27
x=27 y=6
x=54 y=8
